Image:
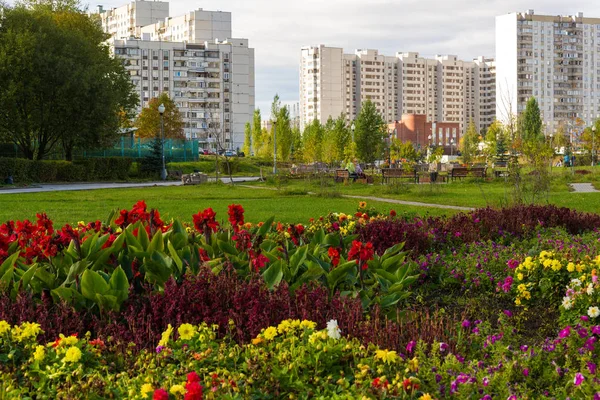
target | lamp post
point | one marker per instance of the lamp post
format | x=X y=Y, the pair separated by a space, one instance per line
x=163 y=172
x=274 y=145
x=593 y=142
x=552 y=149
x=352 y=127
x=452 y=147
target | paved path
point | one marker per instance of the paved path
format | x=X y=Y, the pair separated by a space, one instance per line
x=384 y=200
x=583 y=188
x=96 y=186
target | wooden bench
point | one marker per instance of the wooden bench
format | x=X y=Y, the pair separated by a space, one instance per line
x=397 y=173
x=463 y=172
x=500 y=169
x=341 y=175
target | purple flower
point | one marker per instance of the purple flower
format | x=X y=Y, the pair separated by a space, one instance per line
x=410 y=346
x=513 y=397
x=524 y=348
x=438 y=378
x=565 y=332
x=508 y=313
x=486 y=381
x=512 y=263
x=596 y=330
x=443 y=347
x=583 y=333
x=526 y=372
x=589 y=344
x=578 y=379
x=597 y=396
x=486 y=397
x=476 y=331
x=591 y=367
x=466 y=323
x=585 y=318
x=159 y=349
x=477 y=322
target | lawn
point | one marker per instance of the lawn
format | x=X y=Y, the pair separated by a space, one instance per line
x=466 y=193
x=182 y=202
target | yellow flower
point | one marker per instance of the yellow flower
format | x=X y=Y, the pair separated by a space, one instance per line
x=27 y=330
x=68 y=340
x=426 y=396
x=146 y=388
x=522 y=287
x=413 y=364
x=570 y=267
x=73 y=355
x=580 y=268
x=526 y=295
x=362 y=204
x=186 y=331
x=556 y=265
x=270 y=333
x=284 y=326
x=177 y=389
x=4 y=327
x=257 y=341
x=166 y=335
x=308 y=324
x=386 y=356
x=518 y=301
x=39 y=353
x=520 y=276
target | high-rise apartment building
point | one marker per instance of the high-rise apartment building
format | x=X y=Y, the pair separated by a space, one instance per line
x=555 y=59
x=208 y=74
x=127 y=20
x=444 y=88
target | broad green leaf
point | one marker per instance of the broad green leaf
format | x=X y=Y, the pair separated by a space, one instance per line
x=157 y=243
x=119 y=284
x=107 y=302
x=297 y=259
x=143 y=236
x=226 y=247
x=9 y=264
x=175 y=257
x=75 y=270
x=92 y=283
x=67 y=294
x=132 y=241
x=273 y=274
x=341 y=273
x=266 y=226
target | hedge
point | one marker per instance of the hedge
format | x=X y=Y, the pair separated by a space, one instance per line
x=89 y=170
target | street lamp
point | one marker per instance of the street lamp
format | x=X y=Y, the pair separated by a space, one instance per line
x=429 y=138
x=452 y=147
x=593 y=142
x=161 y=111
x=551 y=148
x=352 y=127
x=274 y=145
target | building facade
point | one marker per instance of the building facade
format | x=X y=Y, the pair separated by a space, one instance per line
x=444 y=89
x=422 y=132
x=127 y=20
x=208 y=74
x=555 y=59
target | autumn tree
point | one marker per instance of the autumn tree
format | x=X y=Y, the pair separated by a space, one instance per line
x=148 y=122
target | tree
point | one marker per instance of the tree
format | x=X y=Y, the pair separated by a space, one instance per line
x=257 y=134
x=589 y=139
x=59 y=86
x=283 y=128
x=493 y=138
x=247 y=139
x=148 y=122
x=403 y=151
x=532 y=136
x=369 y=132
x=469 y=144
x=342 y=136
x=312 y=142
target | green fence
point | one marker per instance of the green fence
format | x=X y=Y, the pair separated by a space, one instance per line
x=175 y=150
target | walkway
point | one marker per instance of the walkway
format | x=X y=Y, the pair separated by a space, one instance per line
x=95 y=186
x=583 y=188
x=384 y=200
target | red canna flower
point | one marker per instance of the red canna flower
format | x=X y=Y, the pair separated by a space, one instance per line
x=334 y=255
x=203 y=255
x=361 y=252
x=243 y=240
x=258 y=260
x=204 y=221
x=392 y=213
x=236 y=216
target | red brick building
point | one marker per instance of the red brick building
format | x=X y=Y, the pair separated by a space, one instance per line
x=416 y=129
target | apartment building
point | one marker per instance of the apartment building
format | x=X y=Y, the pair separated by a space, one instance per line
x=127 y=20
x=208 y=74
x=555 y=59
x=444 y=88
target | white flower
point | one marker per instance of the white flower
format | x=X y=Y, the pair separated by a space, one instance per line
x=576 y=282
x=567 y=303
x=590 y=289
x=333 y=330
x=593 y=312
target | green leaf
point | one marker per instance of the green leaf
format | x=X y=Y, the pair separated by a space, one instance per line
x=75 y=270
x=341 y=273
x=118 y=243
x=266 y=226
x=107 y=302
x=393 y=250
x=143 y=236
x=92 y=284
x=314 y=272
x=157 y=243
x=9 y=263
x=28 y=275
x=273 y=274
x=67 y=294
x=6 y=279
x=47 y=278
x=119 y=284
x=227 y=248
x=390 y=300
x=297 y=259
x=175 y=257
x=132 y=241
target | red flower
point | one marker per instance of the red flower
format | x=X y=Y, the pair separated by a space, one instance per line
x=160 y=394
x=194 y=390
x=361 y=252
x=193 y=377
x=392 y=213
x=203 y=255
x=379 y=384
x=334 y=255
x=204 y=221
x=44 y=223
x=300 y=229
x=236 y=216
x=97 y=342
x=258 y=260
x=243 y=240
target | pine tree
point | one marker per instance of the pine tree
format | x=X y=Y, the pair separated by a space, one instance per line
x=152 y=163
x=369 y=133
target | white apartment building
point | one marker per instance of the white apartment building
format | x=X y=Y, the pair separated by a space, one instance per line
x=193 y=58
x=555 y=59
x=126 y=21
x=444 y=88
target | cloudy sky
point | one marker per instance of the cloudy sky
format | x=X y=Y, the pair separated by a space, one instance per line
x=277 y=29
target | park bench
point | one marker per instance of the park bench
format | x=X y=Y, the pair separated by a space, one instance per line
x=195 y=178
x=396 y=173
x=500 y=169
x=341 y=175
x=463 y=172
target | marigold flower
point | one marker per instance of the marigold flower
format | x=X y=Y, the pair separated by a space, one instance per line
x=270 y=333
x=362 y=204
x=257 y=341
x=4 y=327
x=177 y=389
x=145 y=389
x=72 y=355
x=186 y=331
x=39 y=353
x=386 y=356
x=426 y=396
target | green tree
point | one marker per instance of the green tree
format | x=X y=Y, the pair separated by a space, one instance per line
x=493 y=137
x=342 y=136
x=284 y=129
x=369 y=132
x=59 y=86
x=257 y=133
x=148 y=122
x=312 y=142
x=469 y=144
x=247 y=139
x=329 y=145
x=403 y=151
x=531 y=123
x=589 y=139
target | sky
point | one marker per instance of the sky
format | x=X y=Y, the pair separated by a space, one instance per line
x=277 y=29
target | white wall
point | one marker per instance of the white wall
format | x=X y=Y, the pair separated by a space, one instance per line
x=506 y=66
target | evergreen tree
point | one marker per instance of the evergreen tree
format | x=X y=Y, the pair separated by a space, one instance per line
x=152 y=163
x=369 y=132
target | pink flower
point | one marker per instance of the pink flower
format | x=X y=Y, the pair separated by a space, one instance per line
x=578 y=379
x=410 y=346
x=565 y=332
x=526 y=372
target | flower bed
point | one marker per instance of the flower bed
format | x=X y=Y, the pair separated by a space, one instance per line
x=489 y=304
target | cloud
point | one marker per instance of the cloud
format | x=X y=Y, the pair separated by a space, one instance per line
x=278 y=29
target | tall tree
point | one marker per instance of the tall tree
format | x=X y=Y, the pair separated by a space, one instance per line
x=369 y=132
x=493 y=137
x=257 y=134
x=148 y=122
x=469 y=144
x=531 y=123
x=342 y=136
x=59 y=86
x=312 y=142
x=247 y=139
x=589 y=139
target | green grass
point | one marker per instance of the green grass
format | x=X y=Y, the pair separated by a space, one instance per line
x=182 y=202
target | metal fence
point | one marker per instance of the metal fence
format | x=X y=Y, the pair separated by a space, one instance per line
x=175 y=150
